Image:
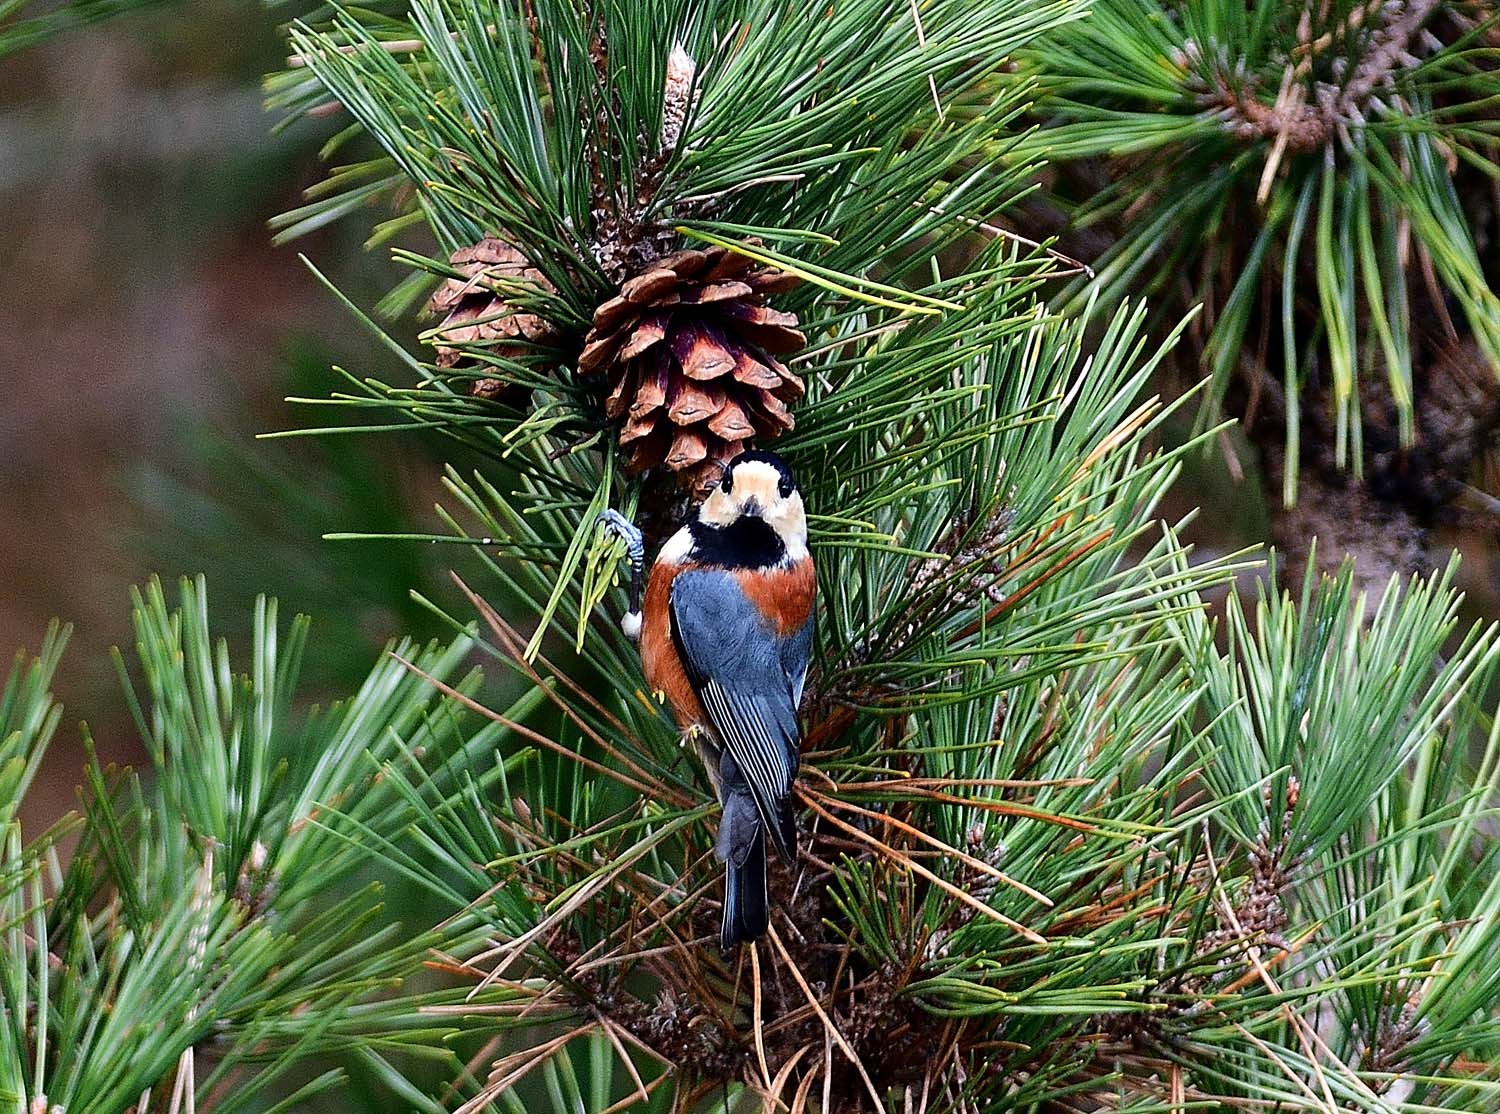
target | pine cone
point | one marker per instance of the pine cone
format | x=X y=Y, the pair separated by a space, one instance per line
x=474 y=308
x=689 y=349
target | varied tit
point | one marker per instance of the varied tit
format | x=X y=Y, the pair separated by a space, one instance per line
x=725 y=634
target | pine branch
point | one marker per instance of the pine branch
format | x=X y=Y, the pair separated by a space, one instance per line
x=1301 y=128
x=199 y=942
x=1296 y=170
x=1061 y=848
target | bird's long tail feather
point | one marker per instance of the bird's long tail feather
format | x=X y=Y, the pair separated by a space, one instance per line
x=745 y=898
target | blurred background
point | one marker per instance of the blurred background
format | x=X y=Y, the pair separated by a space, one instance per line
x=149 y=330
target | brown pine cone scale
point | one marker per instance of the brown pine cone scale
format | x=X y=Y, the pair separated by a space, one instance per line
x=475 y=309
x=690 y=353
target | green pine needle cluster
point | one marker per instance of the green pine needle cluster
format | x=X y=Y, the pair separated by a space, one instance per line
x=22 y=25
x=1293 y=166
x=194 y=931
x=1068 y=843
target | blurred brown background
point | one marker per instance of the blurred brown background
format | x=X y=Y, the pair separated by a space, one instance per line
x=148 y=329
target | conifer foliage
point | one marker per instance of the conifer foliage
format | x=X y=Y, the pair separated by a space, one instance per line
x=1321 y=175
x=1066 y=843
x=174 y=943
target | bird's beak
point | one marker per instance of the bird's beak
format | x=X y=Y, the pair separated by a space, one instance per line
x=750 y=506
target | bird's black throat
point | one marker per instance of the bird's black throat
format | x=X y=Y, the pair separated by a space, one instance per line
x=746 y=543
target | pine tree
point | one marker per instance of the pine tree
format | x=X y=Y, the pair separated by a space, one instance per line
x=1068 y=843
x=1321 y=177
x=184 y=951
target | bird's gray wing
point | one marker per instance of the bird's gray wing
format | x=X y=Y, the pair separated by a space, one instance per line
x=734 y=661
x=796 y=650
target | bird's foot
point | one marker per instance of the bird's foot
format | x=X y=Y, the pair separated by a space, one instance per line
x=627 y=531
x=635 y=548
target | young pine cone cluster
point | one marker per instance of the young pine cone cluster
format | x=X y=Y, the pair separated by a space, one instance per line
x=476 y=309
x=688 y=352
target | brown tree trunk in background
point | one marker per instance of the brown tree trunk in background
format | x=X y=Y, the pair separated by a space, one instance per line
x=1340 y=516
x=1384 y=519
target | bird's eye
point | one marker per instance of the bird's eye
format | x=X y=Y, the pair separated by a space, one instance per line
x=727 y=483
x=785 y=487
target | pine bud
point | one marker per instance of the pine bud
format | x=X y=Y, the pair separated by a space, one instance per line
x=677 y=97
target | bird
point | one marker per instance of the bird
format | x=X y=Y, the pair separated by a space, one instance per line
x=726 y=633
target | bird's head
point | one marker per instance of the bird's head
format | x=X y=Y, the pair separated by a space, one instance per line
x=758 y=484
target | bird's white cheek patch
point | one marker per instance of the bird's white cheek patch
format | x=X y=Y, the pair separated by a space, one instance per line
x=790 y=523
x=718 y=509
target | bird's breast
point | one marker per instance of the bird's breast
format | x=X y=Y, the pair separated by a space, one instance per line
x=783 y=594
